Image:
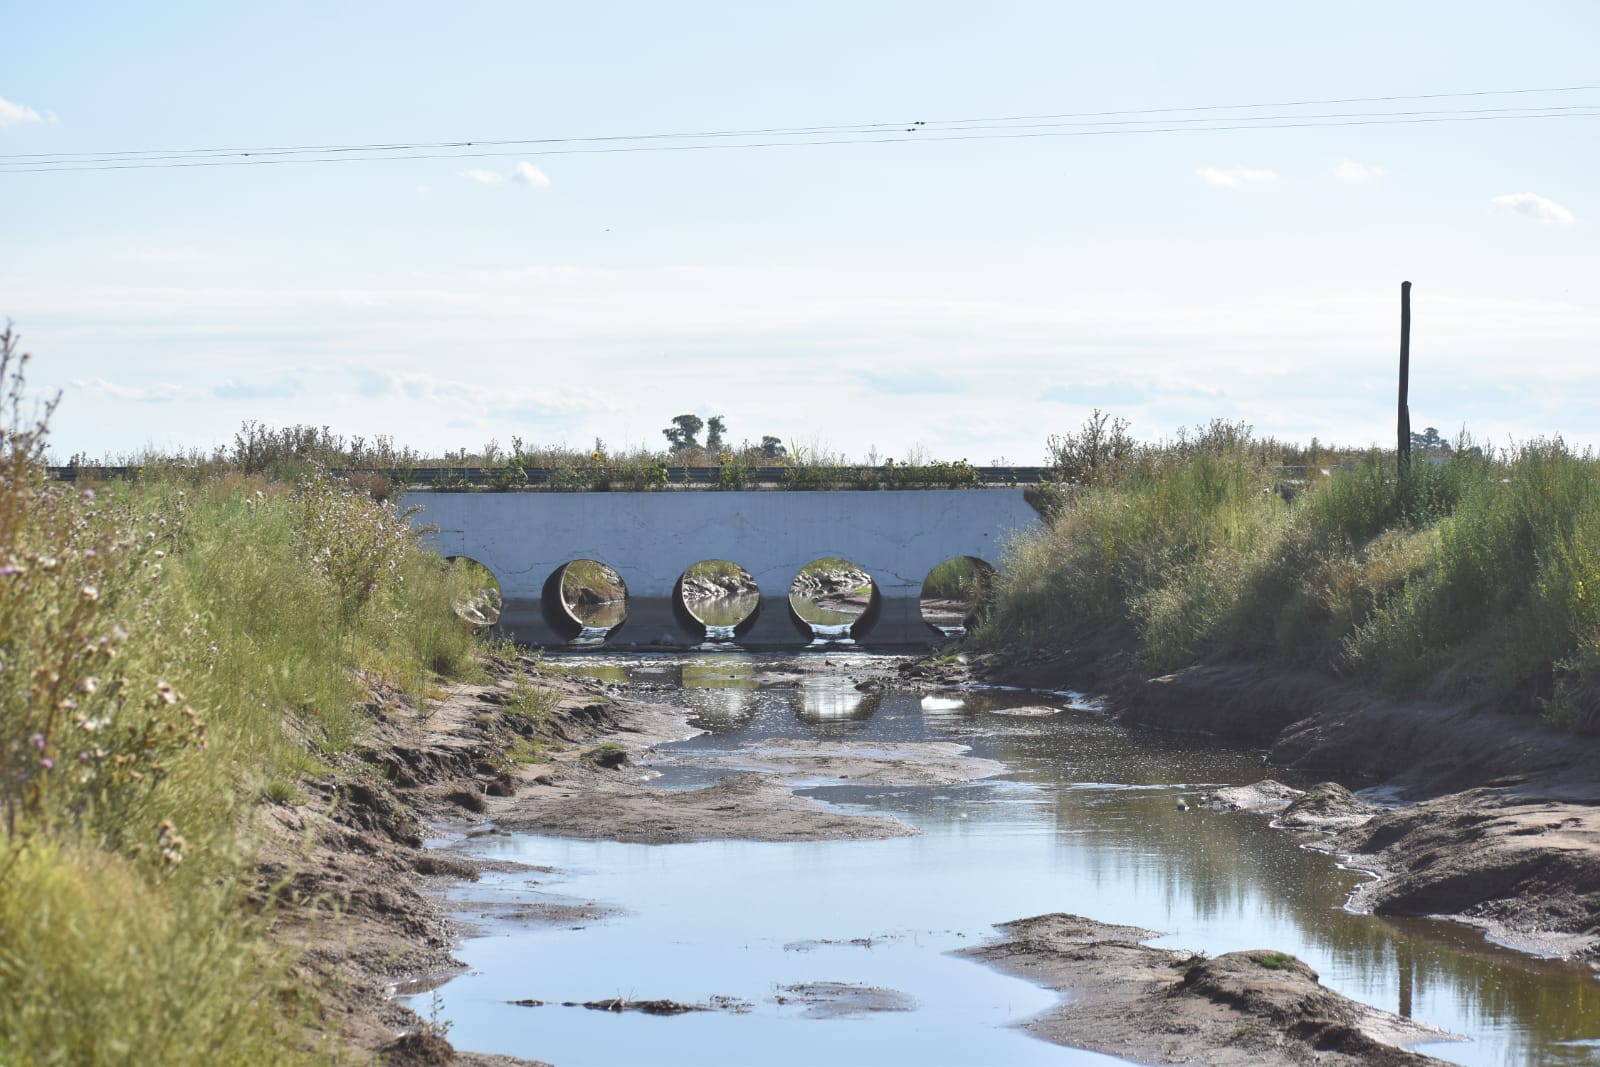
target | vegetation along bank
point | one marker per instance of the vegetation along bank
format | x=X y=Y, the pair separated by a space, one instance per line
x=1435 y=630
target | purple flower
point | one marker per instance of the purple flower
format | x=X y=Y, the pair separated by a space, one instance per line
x=37 y=740
x=47 y=763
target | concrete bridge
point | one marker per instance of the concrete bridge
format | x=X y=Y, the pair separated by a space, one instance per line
x=650 y=539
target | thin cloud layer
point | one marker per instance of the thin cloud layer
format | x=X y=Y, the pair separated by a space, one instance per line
x=1540 y=208
x=523 y=173
x=528 y=174
x=280 y=389
x=1236 y=177
x=1357 y=173
x=159 y=394
x=16 y=114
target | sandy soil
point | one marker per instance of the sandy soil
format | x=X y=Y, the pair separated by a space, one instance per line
x=1153 y=1005
x=578 y=802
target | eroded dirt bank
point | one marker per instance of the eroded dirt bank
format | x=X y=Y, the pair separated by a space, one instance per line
x=1154 y=1005
x=355 y=887
x=1501 y=828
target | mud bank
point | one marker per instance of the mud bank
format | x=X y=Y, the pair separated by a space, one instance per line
x=345 y=867
x=1154 y=1005
x=1501 y=829
x=358 y=892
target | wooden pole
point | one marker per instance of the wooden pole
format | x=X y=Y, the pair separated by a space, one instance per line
x=1403 y=452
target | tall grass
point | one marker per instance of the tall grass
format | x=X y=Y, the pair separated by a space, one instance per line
x=168 y=651
x=1475 y=578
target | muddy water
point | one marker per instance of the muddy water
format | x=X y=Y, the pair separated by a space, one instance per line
x=1085 y=821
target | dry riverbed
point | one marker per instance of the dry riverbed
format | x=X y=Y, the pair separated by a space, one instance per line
x=363 y=895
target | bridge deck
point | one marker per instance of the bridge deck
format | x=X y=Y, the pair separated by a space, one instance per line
x=606 y=479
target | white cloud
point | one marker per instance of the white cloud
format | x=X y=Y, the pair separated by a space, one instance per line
x=529 y=174
x=1357 y=173
x=523 y=172
x=159 y=394
x=274 y=389
x=1236 y=177
x=16 y=114
x=1536 y=207
x=424 y=189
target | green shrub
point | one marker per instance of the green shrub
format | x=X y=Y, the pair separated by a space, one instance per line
x=1472 y=578
x=171 y=651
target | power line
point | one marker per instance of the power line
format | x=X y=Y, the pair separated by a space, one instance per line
x=855 y=131
x=884 y=126
x=972 y=129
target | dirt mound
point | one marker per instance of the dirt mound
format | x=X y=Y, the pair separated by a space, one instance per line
x=1264 y=796
x=1526 y=870
x=1327 y=807
x=1163 y=1006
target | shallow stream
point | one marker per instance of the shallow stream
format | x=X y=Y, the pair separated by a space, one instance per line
x=1085 y=821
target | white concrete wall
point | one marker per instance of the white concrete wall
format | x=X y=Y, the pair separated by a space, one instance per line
x=650 y=539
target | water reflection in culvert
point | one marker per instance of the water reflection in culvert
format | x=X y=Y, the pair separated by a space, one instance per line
x=722 y=614
x=829 y=625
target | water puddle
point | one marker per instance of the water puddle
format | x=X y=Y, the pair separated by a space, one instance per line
x=838 y=952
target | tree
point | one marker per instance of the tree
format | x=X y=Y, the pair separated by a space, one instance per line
x=683 y=431
x=715 y=428
x=772 y=447
x=1429 y=441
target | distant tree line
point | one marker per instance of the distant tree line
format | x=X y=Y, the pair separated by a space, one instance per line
x=684 y=436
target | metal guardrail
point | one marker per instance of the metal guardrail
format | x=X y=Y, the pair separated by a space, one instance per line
x=589 y=479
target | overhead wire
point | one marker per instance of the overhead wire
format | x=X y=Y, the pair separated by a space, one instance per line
x=1012 y=127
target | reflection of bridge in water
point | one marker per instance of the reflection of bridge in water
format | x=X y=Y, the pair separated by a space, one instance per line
x=650 y=539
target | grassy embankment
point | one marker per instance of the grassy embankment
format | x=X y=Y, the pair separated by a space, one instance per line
x=1476 y=578
x=173 y=655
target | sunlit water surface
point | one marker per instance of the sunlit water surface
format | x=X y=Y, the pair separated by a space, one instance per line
x=1085 y=822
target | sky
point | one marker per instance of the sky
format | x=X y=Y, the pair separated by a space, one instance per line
x=941 y=292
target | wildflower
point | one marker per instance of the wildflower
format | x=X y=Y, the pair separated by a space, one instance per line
x=47 y=763
x=37 y=741
x=90 y=593
x=171 y=842
x=90 y=684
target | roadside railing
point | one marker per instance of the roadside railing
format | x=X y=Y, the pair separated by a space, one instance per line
x=604 y=479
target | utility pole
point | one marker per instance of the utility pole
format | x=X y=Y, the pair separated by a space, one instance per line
x=1403 y=452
